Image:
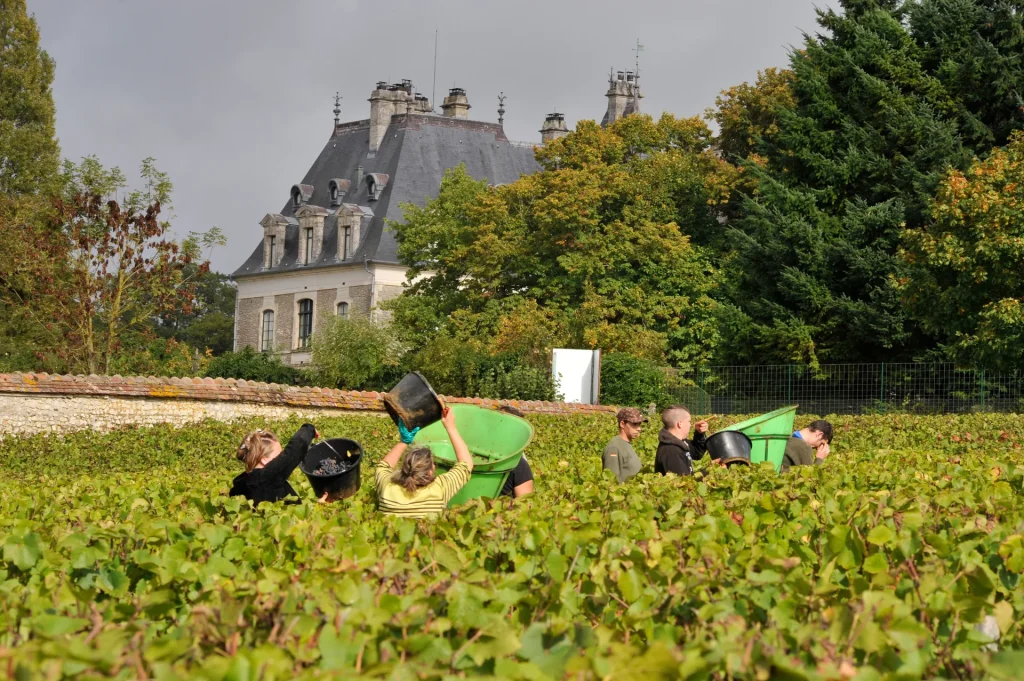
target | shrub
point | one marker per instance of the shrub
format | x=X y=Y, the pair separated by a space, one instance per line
x=453 y=368
x=356 y=353
x=631 y=381
x=252 y=366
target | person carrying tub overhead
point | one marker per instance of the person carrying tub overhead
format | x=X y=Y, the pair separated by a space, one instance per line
x=267 y=466
x=413 y=491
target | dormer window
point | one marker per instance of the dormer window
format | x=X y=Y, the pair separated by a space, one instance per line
x=375 y=184
x=337 y=188
x=272 y=247
x=346 y=243
x=309 y=245
x=301 y=194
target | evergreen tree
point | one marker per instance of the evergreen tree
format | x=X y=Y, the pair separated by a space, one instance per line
x=880 y=115
x=29 y=155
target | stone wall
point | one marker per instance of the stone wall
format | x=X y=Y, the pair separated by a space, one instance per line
x=283 y=320
x=41 y=403
x=326 y=306
x=359 y=299
x=249 y=322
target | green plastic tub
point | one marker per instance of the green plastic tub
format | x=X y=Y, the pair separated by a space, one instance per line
x=495 y=439
x=769 y=433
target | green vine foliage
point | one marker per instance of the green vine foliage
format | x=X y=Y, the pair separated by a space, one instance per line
x=121 y=557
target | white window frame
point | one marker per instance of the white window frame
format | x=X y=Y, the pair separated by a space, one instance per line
x=267 y=341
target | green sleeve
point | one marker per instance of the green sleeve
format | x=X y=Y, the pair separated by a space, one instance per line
x=611 y=460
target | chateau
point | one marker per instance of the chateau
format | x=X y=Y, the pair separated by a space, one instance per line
x=327 y=252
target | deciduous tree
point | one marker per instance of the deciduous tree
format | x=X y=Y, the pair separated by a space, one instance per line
x=965 y=278
x=594 y=251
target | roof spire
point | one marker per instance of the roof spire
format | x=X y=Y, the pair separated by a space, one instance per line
x=501 y=108
x=337 y=108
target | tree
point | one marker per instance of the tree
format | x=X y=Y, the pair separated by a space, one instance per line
x=876 y=124
x=593 y=251
x=747 y=114
x=29 y=163
x=107 y=269
x=355 y=353
x=29 y=155
x=965 y=278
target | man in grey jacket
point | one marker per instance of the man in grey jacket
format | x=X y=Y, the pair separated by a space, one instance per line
x=619 y=455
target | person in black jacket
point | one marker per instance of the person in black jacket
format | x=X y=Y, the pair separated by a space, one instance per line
x=267 y=466
x=675 y=453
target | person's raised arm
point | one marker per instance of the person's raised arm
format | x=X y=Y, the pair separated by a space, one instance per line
x=458 y=444
x=395 y=454
x=293 y=453
x=700 y=440
x=405 y=437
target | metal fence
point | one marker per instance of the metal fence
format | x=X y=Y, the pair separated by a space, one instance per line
x=848 y=389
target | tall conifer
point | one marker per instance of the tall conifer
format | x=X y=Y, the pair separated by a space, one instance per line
x=29 y=155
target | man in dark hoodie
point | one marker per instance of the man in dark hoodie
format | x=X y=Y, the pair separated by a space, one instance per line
x=675 y=453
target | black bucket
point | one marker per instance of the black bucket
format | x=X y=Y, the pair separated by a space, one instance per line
x=414 y=402
x=349 y=457
x=730 y=447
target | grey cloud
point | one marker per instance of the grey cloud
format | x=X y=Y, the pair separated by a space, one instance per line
x=234 y=98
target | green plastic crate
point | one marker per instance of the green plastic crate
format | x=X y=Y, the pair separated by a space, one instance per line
x=769 y=434
x=495 y=439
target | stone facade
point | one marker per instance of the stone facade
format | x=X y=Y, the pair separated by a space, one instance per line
x=284 y=322
x=41 y=403
x=360 y=301
x=248 y=313
x=326 y=305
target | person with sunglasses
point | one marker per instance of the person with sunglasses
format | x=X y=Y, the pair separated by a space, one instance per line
x=619 y=456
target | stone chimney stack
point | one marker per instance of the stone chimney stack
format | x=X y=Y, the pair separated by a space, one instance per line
x=623 y=96
x=456 y=104
x=389 y=100
x=553 y=128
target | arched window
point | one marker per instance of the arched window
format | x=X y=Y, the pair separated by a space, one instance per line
x=346 y=243
x=267 y=337
x=342 y=309
x=305 y=322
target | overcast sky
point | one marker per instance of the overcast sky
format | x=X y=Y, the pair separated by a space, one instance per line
x=234 y=98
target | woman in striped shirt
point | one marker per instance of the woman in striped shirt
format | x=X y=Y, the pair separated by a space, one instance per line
x=413 y=491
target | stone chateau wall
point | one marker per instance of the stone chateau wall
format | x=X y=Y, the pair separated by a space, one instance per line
x=44 y=403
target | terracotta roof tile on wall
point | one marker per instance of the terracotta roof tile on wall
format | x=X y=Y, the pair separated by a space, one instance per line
x=229 y=389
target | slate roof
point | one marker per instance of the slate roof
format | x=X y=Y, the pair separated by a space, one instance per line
x=415 y=153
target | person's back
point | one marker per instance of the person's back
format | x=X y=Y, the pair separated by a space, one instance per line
x=413 y=491
x=268 y=466
x=424 y=502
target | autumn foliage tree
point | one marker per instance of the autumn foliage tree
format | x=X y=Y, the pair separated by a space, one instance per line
x=965 y=275
x=117 y=271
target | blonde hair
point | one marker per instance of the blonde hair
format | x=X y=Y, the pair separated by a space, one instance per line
x=254 y=447
x=417 y=470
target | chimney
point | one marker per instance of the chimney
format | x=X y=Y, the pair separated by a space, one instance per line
x=456 y=104
x=385 y=102
x=623 y=96
x=553 y=128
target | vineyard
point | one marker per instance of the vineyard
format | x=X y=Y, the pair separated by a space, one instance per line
x=123 y=558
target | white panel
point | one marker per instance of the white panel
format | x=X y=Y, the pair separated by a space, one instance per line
x=575 y=372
